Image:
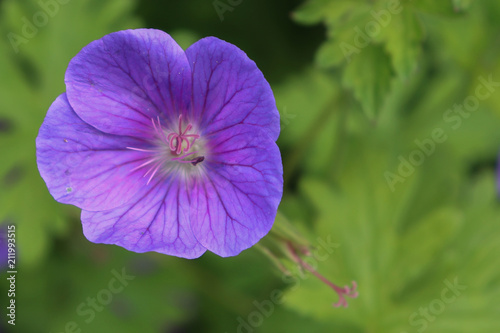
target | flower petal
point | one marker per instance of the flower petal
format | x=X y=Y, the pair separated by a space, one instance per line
x=229 y=89
x=121 y=81
x=157 y=221
x=83 y=166
x=235 y=205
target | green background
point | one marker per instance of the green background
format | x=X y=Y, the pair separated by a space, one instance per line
x=375 y=158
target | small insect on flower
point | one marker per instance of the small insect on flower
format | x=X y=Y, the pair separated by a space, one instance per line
x=163 y=149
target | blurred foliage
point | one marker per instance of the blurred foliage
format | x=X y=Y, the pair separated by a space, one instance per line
x=32 y=78
x=364 y=88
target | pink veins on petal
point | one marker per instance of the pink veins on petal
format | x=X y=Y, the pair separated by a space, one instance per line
x=176 y=142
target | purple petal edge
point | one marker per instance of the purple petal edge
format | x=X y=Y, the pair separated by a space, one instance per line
x=236 y=204
x=229 y=89
x=158 y=221
x=123 y=80
x=83 y=166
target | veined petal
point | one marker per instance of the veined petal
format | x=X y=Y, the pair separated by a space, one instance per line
x=229 y=89
x=235 y=205
x=123 y=80
x=83 y=166
x=157 y=221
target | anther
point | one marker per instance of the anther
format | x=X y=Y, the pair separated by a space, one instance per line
x=197 y=160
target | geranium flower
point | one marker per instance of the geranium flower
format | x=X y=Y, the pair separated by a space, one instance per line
x=163 y=149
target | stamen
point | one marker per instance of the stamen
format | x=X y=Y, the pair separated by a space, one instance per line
x=154 y=125
x=176 y=140
x=177 y=143
x=171 y=138
x=342 y=292
x=153 y=173
x=162 y=133
x=143 y=165
x=143 y=150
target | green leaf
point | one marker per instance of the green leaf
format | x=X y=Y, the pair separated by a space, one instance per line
x=311 y=12
x=401 y=259
x=330 y=54
x=35 y=61
x=314 y=11
x=369 y=76
x=357 y=31
x=403 y=42
x=462 y=4
x=440 y=8
x=311 y=108
x=434 y=233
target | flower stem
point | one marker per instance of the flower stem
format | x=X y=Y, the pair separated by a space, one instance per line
x=342 y=292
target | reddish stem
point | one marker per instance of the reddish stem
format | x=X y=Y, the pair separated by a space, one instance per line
x=342 y=292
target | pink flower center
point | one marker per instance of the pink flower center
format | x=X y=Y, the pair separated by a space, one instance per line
x=175 y=140
x=171 y=147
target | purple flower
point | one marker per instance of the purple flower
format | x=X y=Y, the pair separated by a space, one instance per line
x=4 y=247
x=163 y=149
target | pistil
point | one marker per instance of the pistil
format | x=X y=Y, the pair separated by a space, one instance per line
x=171 y=147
